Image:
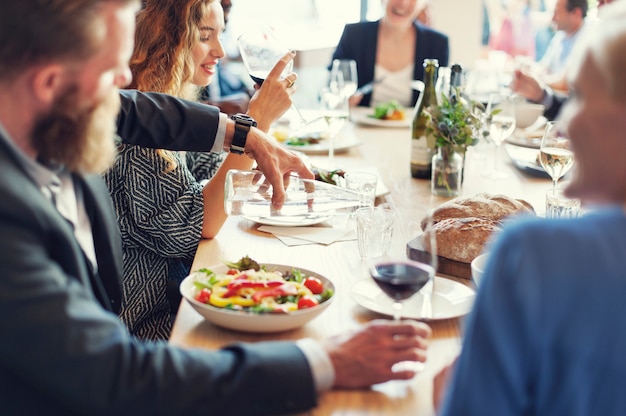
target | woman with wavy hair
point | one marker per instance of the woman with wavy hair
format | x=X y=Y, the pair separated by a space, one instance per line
x=163 y=210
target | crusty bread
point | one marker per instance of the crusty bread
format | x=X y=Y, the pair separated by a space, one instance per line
x=494 y=207
x=462 y=239
x=465 y=225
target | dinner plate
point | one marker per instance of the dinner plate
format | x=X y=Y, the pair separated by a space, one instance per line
x=363 y=115
x=296 y=221
x=530 y=136
x=525 y=158
x=342 y=144
x=254 y=322
x=450 y=299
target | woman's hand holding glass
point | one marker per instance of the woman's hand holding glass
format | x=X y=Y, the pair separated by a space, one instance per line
x=260 y=51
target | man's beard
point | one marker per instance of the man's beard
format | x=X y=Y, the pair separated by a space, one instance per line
x=81 y=139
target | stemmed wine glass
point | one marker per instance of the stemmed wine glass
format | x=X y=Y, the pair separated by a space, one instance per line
x=500 y=126
x=401 y=279
x=260 y=50
x=343 y=76
x=555 y=153
x=335 y=110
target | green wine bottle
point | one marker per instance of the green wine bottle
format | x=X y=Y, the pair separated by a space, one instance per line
x=421 y=152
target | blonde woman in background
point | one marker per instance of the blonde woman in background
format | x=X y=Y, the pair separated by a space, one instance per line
x=163 y=210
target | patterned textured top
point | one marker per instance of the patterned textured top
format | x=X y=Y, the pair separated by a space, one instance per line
x=160 y=215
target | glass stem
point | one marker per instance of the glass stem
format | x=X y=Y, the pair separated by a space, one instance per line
x=397 y=311
x=495 y=157
x=331 y=146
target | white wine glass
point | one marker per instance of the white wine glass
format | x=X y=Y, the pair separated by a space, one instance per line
x=335 y=110
x=500 y=126
x=555 y=154
x=260 y=50
x=344 y=77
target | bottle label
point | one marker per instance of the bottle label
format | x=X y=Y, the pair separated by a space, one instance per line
x=420 y=152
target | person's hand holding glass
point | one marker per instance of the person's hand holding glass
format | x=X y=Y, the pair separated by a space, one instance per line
x=260 y=51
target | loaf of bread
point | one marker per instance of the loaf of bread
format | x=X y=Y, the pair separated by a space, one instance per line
x=465 y=225
x=493 y=207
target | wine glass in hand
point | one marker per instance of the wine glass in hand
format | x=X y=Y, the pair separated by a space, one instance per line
x=555 y=154
x=260 y=51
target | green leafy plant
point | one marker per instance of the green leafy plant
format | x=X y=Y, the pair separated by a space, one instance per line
x=454 y=123
x=453 y=126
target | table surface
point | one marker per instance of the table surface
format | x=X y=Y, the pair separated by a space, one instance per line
x=387 y=149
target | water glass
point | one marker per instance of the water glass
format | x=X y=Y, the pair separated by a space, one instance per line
x=374 y=226
x=559 y=206
x=364 y=183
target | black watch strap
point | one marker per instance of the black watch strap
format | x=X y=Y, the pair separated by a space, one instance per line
x=243 y=122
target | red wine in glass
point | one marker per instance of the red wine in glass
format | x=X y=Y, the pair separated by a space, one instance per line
x=400 y=280
x=258 y=76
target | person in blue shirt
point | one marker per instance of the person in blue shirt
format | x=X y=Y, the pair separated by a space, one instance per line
x=545 y=334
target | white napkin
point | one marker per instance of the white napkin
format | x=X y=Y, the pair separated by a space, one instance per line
x=292 y=236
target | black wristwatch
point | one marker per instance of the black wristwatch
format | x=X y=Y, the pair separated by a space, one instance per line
x=243 y=122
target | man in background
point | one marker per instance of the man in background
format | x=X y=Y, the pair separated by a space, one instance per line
x=569 y=21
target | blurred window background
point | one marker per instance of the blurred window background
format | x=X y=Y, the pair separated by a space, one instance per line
x=520 y=28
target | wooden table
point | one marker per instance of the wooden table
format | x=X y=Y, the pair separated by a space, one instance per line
x=388 y=150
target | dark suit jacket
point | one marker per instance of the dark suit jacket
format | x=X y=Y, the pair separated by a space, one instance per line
x=64 y=351
x=359 y=42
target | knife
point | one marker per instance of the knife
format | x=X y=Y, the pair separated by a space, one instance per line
x=367 y=88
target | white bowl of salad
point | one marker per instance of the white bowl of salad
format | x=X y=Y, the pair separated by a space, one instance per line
x=252 y=297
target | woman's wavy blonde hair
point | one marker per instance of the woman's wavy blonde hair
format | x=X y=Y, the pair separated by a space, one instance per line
x=167 y=30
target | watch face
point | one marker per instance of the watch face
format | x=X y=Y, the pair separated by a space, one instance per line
x=244 y=119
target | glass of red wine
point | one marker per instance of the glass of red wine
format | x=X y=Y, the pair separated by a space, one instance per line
x=260 y=50
x=400 y=279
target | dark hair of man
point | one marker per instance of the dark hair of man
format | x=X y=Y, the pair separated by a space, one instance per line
x=570 y=5
x=38 y=31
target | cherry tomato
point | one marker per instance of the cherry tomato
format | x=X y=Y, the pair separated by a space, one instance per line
x=204 y=295
x=232 y=271
x=307 y=302
x=314 y=285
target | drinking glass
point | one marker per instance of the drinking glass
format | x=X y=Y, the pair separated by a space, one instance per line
x=555 y=153
x=500 y=126
x=260 y=50
x=343 y=76
x=334 y=109
x=400 y=279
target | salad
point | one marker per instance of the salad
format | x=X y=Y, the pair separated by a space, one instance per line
x=249 y=286
x=391 y=110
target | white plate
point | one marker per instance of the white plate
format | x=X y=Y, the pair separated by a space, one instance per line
x=530 y=136
x=525 y=158
x=450 y=299
x=254 y=322
x=362 y=115
x=343 y=143
x=298 y=221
